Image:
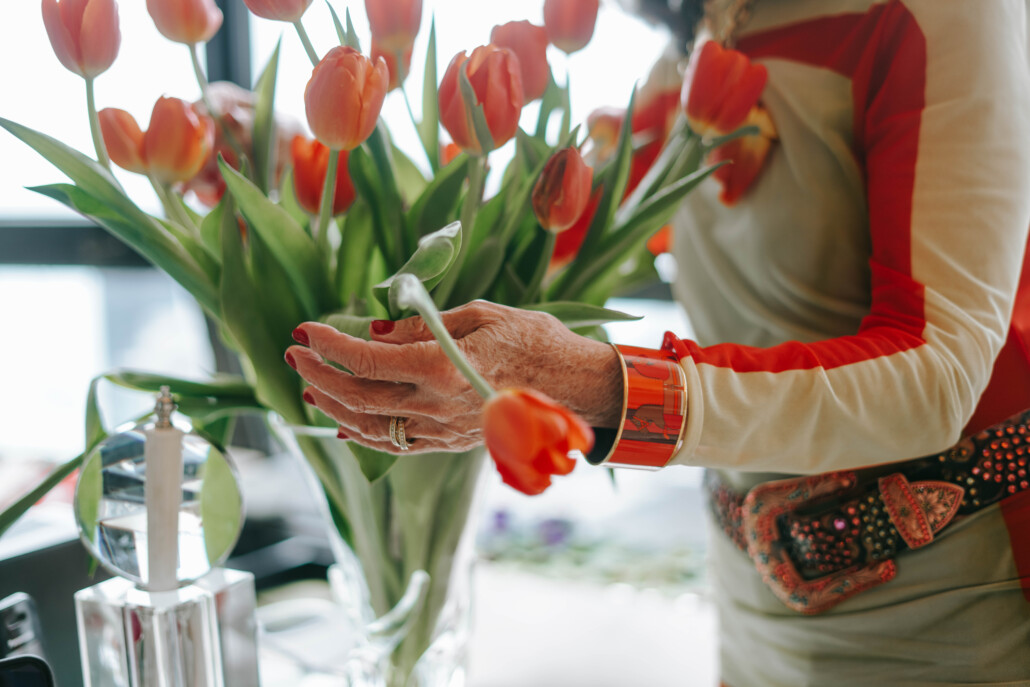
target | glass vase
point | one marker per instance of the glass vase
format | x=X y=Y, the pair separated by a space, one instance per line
x=404 y=549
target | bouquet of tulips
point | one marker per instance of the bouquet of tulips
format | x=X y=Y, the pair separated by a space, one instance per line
x=346 y=228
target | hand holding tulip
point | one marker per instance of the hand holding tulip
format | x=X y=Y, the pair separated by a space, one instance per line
x=403 y=372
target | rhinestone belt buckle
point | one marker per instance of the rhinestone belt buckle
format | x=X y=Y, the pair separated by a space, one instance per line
x=768 y=551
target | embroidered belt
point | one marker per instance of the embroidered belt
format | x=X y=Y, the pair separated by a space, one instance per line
x=820 y=539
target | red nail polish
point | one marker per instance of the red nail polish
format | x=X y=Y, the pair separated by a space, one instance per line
x=309 y=397
x=340 y=434
x=301 y=337
x=290 y=361
x=383 y=326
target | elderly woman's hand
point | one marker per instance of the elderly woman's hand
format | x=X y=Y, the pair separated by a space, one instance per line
x=403 y=372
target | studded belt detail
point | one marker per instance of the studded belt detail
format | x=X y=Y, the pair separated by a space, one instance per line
x=818 y=540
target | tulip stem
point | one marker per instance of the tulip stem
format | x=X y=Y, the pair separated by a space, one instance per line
x=94 y=126
x=325 y=208
x=306 y=41
x=477 y=176
x=211 y=111
x=411 y=293
x=173 y=208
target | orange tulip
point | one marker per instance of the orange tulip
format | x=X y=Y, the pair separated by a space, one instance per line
x=185 y=21
x=344 y=97
x=530 y=436
x=567 y=243
x=448 y=152
x=123 y=139
x=570 y=23
x=178 y=141
x=397 y=75
x=278 y=10
x=83 y=33
x=562 y=192
x=747 y=157
x=394 y=23
x=310 y=164
x=496 y=82
x=720 y=88
x=529 y=43
x=661 y=241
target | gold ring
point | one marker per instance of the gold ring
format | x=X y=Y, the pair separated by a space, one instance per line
x=397 y=436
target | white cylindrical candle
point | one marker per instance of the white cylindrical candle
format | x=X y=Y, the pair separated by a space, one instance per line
x=163 y=495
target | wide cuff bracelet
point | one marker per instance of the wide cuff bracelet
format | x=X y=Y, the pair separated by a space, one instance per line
x=654 y=409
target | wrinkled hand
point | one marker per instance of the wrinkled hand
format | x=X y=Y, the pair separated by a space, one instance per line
x=403 y=372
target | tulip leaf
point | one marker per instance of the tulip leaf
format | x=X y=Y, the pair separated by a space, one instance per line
x=474 y=110
x=614 y=183
x=288 y=200
x=218 y=387
x=352 y=35
x=210 y=228
x=712 y=144
x=436 y=204
x=265 y=142
x=538 y=259
x=352 y=325
x=551 y=100
x=374 y=464
x=292 y=246
x=195 y=247
x=356 y=253
x=410 y=181
x=277 y=385
x=95 y=432
x=429 y=127
x=341 y=33
x=479 y=273
x=12 y=513
x=144 y=234
x=221 y=508
x=429 y=264
x=387 y=218
x=578 y=315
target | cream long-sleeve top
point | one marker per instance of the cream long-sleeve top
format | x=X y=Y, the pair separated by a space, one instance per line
x=850 y=308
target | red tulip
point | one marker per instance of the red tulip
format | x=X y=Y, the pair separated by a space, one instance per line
x=661 y=241
x=397 y=75
x=570 y=23
x=83 y=33
x=529 y=43
x=448 y=153
x=178 y=141
x=394 y=23
x=278 y=10
x=746 y=155
x=496 y=82
x=344 y=97
x=310 y=164
x=123 y=139
x=567 y=243
x=530 y=436
x=720 y=88
x=562 y=192
x=185 y=21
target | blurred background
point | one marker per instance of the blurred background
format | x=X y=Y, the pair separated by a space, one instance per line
x=597 y=582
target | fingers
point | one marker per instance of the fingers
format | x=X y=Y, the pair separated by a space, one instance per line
x=373 y=359
x=357 y=394
x=460 y=322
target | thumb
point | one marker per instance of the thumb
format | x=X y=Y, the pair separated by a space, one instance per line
x=460 y=322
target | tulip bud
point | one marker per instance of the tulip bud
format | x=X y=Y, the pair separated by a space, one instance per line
x=494 y=75
x=394 y=23
x=344 y=97
x=83 y=33
x=123 y=139
x=185 y=21
x=720 y=88
x=310 y=164
x=562 y=192
x=178 y=140
x=570 y=23
x=529 y=436
x=568 y=242
x=529 y=43
x=398 y=73
x=278 y=10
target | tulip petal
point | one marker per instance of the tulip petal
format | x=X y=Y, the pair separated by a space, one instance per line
x=100 y=37
x=64 y=44
x=123 y=139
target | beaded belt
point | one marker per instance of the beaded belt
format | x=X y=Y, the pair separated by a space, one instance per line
x=820 y=539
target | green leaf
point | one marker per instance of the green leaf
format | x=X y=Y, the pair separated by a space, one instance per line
x=202 y=256
x=475 y=111
x=17 y=509
x=88 y=493
x=354 y=256
x=429 y=127
x=714 y=143
x=144 y=234
x=576 y=315
x=288 y=202
x=386 y=214
x=352 y=35
x=210 y=228
x=430 y=262
x=480 y=272
x=95 y=431
x=341 y=33
x=220 y=386
x=220 y=507
x=265 y=144
x=552 y=99
x=374 y=464
x=292 y=246
x=410 y=181
x=437 y=203
x=352 y=325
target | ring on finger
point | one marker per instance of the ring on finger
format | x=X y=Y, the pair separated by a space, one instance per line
x=397 y=435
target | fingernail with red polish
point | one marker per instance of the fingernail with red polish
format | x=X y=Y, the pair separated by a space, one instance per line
x=301 y=337
x=290 y=361
x=340 y=434
x=309 y=397
x=382 y=326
